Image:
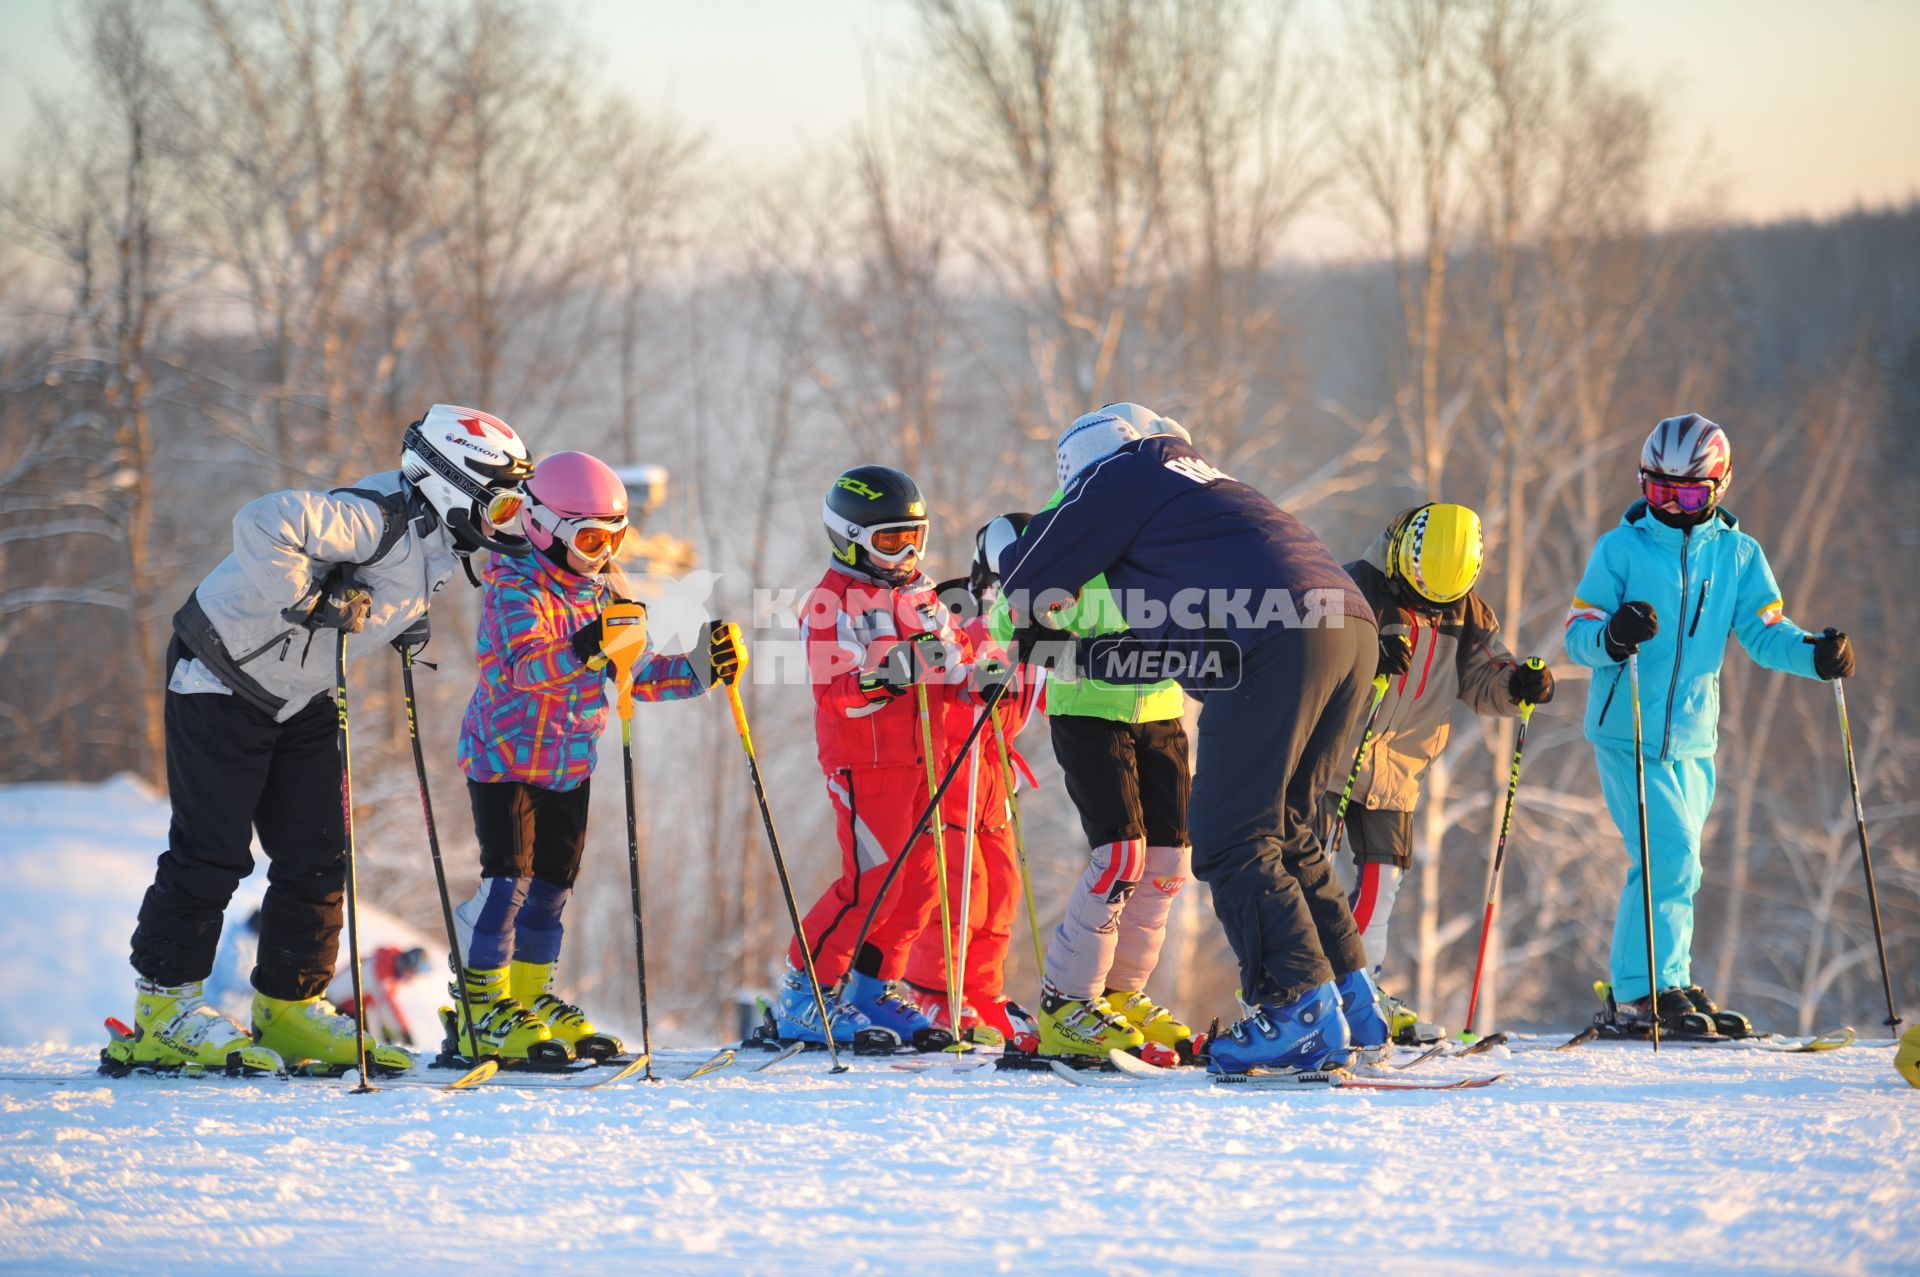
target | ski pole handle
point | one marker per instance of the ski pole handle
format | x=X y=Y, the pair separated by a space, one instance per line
x=1526 y=707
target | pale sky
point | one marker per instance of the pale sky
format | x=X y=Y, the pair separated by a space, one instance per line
x=1808 y=107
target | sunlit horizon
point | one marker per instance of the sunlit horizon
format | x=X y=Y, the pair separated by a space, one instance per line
x=1773 y=110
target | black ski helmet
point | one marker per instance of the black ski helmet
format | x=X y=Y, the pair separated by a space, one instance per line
x=869 y=502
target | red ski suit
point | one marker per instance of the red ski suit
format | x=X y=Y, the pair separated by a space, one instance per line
x=995 y=896
x=876 y=773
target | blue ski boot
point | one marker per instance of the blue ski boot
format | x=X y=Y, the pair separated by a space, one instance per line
x=1306 y=1033
x=796 y=1017
x=1368 y=1029
x=885 y=1006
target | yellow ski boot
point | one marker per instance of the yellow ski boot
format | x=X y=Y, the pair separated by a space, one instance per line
x=175 y=1031
x=507 y=1031
x=531 y=985
x=313 y=1037
x=1155 y=1022
x=1071 y=1026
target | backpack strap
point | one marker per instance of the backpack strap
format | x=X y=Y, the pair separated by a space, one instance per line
x=393 y=505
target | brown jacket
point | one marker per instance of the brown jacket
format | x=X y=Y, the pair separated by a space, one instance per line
x=1457 y=655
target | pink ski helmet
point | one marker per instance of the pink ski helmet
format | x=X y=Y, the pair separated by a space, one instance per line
x=578 y=500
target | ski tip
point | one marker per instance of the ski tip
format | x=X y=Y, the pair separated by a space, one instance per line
x=473 y=1076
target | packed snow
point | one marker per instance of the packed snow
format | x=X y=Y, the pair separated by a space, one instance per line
x=1600 y=1158
x=1606 y=1157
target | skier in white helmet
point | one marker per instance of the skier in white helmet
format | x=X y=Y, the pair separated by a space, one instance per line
x=1672 y=583
x=250 y=736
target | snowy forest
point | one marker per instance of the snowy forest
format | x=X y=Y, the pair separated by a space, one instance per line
x=252 y=241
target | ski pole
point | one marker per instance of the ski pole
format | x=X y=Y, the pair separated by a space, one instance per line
x=1500 y=853
x=624 y=630
x=1866 y=856
x=940 y=862
x=991 y=699
x=780 y=864
x=353 y=913
x=1353 y=773
x=409 y=645
x=966 y=884
x=1646 y=864
x=1019 y=845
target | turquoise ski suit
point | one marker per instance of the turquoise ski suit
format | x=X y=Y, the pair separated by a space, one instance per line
x=1704 y=584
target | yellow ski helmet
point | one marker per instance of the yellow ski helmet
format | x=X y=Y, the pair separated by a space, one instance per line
x=1435 y=550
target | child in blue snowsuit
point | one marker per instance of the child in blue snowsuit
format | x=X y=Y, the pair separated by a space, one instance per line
x=1672 y=582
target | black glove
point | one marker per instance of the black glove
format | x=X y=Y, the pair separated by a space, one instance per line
x=586 y=644
x=1628 y=628
x=905 y=664
x=719 y=654
x=1040 y=647
x=1832 y=656
x=342 y=604
x=1396 y=655
x=1530 y=686
x=415 y=637
x=990 y=672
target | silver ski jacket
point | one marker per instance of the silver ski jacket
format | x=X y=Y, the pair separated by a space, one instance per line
x=1456 y=655
x=284 y=545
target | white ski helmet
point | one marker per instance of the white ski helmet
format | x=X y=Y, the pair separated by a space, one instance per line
x=1688 y=447
x=471 y=468
x=1096 y=435
x=1148 y=422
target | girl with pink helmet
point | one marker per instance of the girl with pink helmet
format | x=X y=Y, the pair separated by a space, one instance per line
x=528 y=747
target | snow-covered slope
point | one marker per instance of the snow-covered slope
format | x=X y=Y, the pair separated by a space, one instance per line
x=75 y=860
x=1604 y=1158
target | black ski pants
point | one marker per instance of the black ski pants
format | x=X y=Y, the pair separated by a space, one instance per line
x=1266 y=750
x=1127 y=780
x=231 y=769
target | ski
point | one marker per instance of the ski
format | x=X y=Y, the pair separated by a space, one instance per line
x=621 y=1074
x=1136 y=1068
x=1478 y=1045
x=1294 y=1080
x=958 y=1067
x=786 y=1052
x=474 y=1076
x=713 y=1064
x=1431 y=1053
x=1831 y=1040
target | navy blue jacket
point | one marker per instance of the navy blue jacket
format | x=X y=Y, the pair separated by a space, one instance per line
x=1189 y=552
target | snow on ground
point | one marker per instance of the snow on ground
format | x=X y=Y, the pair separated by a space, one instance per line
x=76 y=860
x=1599 y=1159
x=1604 y=1158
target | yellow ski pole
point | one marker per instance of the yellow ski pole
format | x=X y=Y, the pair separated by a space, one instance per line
x=1359 y=755
x=940 y=867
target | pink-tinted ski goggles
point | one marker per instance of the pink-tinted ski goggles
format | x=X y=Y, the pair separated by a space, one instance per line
x=1691 y=495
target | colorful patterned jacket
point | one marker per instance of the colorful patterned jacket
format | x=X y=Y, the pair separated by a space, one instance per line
x=538 y=712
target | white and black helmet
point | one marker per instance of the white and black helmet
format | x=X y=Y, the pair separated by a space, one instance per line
x=1688 y=447
x=471 y=468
